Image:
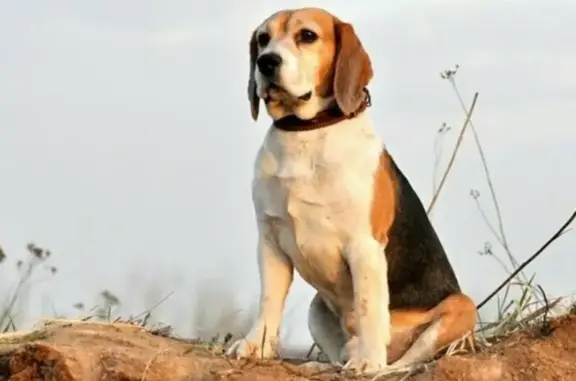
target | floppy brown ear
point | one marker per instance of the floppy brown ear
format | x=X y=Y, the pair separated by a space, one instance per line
x=353 y=69
x=252 y=94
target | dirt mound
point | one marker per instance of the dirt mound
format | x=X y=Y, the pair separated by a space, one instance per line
x=122 y=352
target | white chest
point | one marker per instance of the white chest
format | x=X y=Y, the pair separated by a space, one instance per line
x=316 y=188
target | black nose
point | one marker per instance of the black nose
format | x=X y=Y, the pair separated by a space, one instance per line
x=267 y=63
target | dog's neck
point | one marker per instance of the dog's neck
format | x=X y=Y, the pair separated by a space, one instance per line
x=325 y=118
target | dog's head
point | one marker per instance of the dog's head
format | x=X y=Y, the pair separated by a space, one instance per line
x=303 y=60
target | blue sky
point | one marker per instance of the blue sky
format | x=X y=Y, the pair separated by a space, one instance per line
x=126 y=143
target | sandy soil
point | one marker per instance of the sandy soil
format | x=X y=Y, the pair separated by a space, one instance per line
x=121 y=352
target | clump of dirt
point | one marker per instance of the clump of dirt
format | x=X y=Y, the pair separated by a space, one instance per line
x=123 y=352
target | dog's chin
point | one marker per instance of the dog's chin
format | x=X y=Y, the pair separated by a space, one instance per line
x=274 y=92
x=280 y=102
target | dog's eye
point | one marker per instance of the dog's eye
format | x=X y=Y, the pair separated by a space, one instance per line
x=308 y=36
x=263 y=39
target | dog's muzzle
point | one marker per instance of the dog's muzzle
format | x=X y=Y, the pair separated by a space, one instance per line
x=269 y=66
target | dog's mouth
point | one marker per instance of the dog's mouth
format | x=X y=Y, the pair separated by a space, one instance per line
x=274 y=88
x=306 y=97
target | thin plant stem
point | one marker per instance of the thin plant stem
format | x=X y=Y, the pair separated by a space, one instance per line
x=7 y=309
x=453 y=157
x=504 y=240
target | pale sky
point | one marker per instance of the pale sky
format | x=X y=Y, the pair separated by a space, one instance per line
x=126 y=143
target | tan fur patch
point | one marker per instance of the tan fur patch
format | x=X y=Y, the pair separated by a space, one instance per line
x=277 y=26
x=384 y=201
x=353 y=70
x=458 y=314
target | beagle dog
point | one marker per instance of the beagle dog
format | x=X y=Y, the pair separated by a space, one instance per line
x=331 y=203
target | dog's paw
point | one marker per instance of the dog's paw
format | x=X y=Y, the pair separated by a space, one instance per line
x=253 y=349
x=316 y=366
x=350 y=350
x=406 y=371
x=361 y=366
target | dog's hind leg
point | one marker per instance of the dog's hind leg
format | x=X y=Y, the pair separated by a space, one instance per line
x=451 y=320
x=325 y=329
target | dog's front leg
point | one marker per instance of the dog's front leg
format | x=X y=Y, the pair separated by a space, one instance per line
x=276 y=274
x=369 y=272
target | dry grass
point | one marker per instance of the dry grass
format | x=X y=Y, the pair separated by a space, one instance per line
x=522 y=303
x=37 y=260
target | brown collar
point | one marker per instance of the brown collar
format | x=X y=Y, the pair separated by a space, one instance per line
x=323 y=119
